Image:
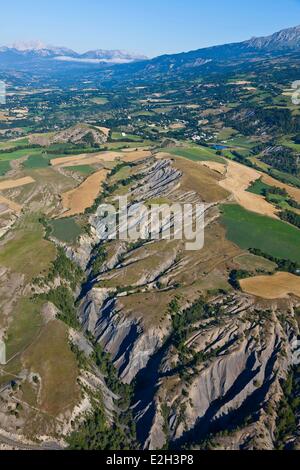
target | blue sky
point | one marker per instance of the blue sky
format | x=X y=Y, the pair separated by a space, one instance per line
x=152 y=27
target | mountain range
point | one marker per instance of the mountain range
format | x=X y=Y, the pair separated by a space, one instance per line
x=123 y=65
x=36 y=50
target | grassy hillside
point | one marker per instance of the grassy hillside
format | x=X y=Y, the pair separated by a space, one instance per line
x=249 y=230
x=196 y=154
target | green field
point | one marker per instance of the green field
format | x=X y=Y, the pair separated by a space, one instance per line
x=4 y=167
x=65 y=230
x=255 y=264
x=258 y=187
x=37 y=161
x=249 y=230
x=26 y=239
x=18 y=154
x=291 y=144
x=143 y=113
x=226 y=133
x=117 y=145
x=241 y=142
x=7 y=157
x=83 y=169
x=14 y=143
x=24 y=327
x=196 y=154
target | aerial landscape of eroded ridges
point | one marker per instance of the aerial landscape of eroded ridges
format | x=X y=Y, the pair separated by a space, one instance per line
x=115 y=344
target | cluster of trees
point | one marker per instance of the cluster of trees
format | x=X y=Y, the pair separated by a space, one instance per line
x=20 y=147
x=274 y=191
x=288 y=410
x=97 y=434
x=293 y=203
x=290 y=217
x=280 y=119
x=63 y=300
x=274 y=120
x=71 y=275
x=72 y=149
x=110 y=188
x=65 y=269
x=241 y=158
x=283 y=159
x=297 y=139
x=182 y=322
x=284 y=178
x=236 y=275
x=104 y=362
x=99 y=256
x=285 y=265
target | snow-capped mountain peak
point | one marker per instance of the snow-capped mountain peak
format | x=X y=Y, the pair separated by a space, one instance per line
x=37 y=49
x=29 y=46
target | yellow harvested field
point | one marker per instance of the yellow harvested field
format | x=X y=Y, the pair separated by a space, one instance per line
x=135 y=155
x=237 y=181
x=218 y=167
x=177 y=125
x=293 y=192
x=10 y=204
x=79 y=199
x=86 y=159
x=10 y=184
x=102 y=157
x=105 y=130
x=278 y=286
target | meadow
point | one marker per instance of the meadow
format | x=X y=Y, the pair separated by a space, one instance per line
x=258 y=187
x=4 y=167
x=28 y=238
x=82 y=169
x=65 y=230
x=195 y=154
x=15 y=155
x=7 y=157
x=39 y=160
x=250 y=230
